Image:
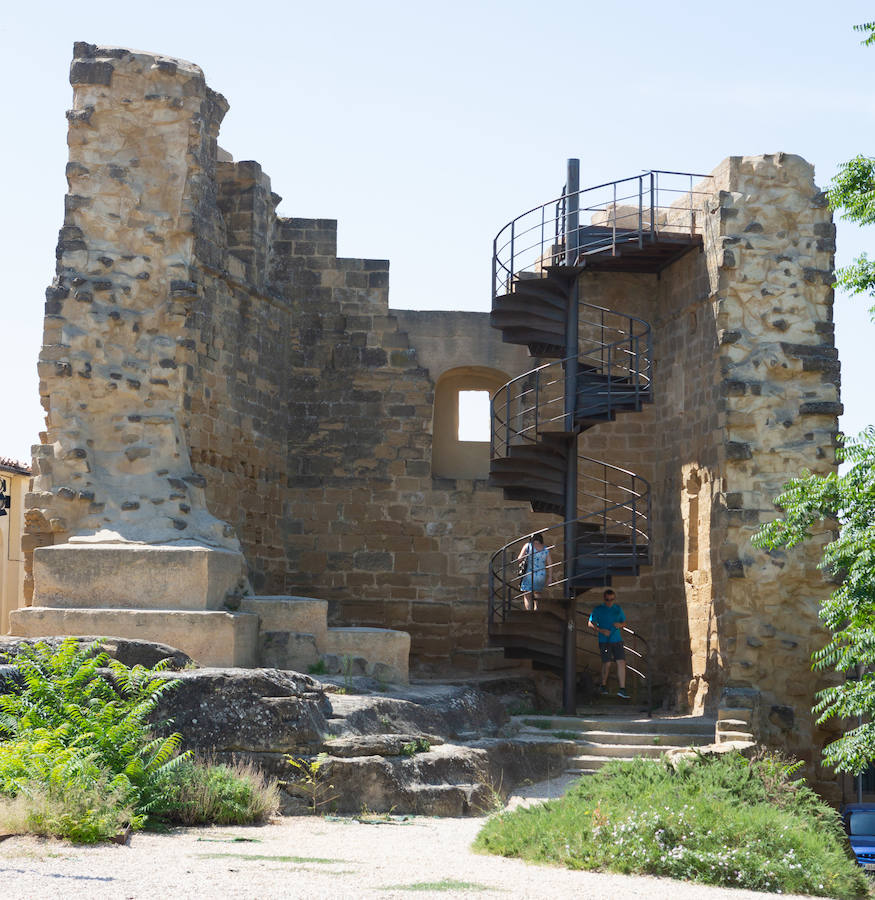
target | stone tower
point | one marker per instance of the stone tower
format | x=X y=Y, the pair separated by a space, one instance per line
x=230 y=406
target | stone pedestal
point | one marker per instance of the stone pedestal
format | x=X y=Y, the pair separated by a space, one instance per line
x=209 y=638
x=167 y=593
x=295 y=634
x=135 y=576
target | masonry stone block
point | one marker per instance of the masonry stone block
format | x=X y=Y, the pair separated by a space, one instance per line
x=135 y=576
x=392 y=648
x=290 y=614
x=209 y=638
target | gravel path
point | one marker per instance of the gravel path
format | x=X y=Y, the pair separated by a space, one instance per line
x=315 y=857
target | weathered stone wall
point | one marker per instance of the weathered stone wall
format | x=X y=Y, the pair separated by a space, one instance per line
x=114 y=462
x=673 y=443
x=188 y=321
x=746 y=394
x=686 y=476
x=774 y=247
x=311 y=420
x=205 y=358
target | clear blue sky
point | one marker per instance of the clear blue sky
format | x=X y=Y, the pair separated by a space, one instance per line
x=423 y=128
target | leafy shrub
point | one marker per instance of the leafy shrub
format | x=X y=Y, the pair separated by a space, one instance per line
x=310 y=780
x=203 y=793
x=79 y=759
x=417 y=745
x=723 y=821
x=77 y=810
x=75 y=729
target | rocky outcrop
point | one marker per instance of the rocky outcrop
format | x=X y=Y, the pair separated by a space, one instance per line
x=128 y=651
x=247 y=711
x=431 y=749
x=447 y=780
x=426 y=749
x=450 y=712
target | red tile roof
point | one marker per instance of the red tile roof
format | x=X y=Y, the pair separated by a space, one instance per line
x=7 y=464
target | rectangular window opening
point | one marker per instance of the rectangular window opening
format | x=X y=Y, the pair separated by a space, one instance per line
x=474 y=416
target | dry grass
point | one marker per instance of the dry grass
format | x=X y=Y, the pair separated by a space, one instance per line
x=80 y=814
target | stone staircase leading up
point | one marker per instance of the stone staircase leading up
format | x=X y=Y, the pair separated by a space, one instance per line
x=734 y=724
x=280 y=632
x=593 y=741
x=189 y=597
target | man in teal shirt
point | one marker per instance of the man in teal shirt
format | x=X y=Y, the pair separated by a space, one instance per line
x=606 y=620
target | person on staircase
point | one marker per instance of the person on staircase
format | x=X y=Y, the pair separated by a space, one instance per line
x=534 y=561
x=606 y=620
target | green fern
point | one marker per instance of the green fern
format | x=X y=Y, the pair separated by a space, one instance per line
x=85 y=719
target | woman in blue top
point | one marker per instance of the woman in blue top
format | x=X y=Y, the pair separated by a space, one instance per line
x=537 y=559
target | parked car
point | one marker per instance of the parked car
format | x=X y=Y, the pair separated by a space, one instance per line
x=859 y=821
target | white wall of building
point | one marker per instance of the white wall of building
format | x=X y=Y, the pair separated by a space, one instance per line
x=11 y=557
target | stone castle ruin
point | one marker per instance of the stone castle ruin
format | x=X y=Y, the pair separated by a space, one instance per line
x=249 y=455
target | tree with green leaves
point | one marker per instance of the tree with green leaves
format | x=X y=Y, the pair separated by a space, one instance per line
x=853 y=192
x=849 y=614
x=848 y=500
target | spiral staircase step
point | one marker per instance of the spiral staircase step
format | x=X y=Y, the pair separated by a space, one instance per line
x=532 y=313
x=610 y=540
x=604 y=409
x=544 y=493
x=540 y=502
x=545 y=453
x=652 y=257
x=510 y=319
x=521 y=479
x=547 y=466
x=533 y=473
x=544 y=350
x=526 y=304
x=552 y=282
x=539 y=636
x=530 y=335
x=548 y=293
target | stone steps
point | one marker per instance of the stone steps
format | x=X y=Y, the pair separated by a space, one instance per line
x=638 y=739
x=734 y=724
x=586 y=765
x=294 y=634
x=622 y=724
x=624 y=751
x=281 y=632
x=597 y=740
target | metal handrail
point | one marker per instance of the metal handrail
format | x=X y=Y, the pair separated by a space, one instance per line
x=624 y=516
x=520 y=410
x=658 y=206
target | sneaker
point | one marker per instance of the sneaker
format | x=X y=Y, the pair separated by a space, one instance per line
x=622 y=694
x=603 y=689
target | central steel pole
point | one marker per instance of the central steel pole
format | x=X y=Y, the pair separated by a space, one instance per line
x=572 y=243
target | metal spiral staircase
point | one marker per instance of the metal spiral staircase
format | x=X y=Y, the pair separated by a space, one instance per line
x=603 y=365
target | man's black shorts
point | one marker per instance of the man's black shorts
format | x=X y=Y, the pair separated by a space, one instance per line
x=612 y=650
